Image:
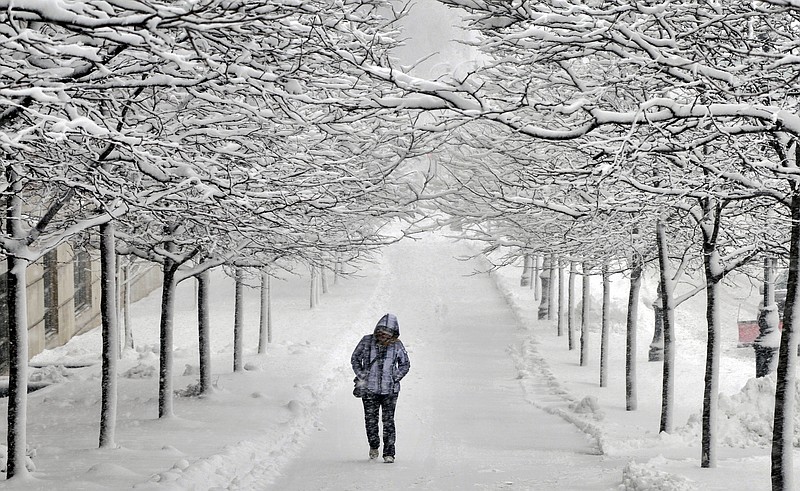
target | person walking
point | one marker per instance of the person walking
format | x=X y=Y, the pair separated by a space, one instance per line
x=380 y=360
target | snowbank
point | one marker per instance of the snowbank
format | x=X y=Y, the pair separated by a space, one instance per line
x=645 y=477
x=745 y=419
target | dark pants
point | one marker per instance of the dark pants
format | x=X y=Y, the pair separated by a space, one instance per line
x=373 y=403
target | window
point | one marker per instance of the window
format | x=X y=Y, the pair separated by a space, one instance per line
x=83 y=280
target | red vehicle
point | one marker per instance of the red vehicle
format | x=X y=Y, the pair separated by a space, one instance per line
x=748 y=332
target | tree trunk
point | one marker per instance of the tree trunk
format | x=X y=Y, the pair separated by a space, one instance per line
x=544 y=303
x=711 y=390
x=17 y=297
x=604 y=327
x=571 y=305
x=238 y=326
x=204 y=331
x=110 y=330
x=126 y=306
x=263 y=320
x=525 y=279
x=585 y=316
x=18 y=366
x=632 y=321
x=336 y=273
x=656 y=352
x=166 y=333
x=323 y=278
x=768 y=342
x=536 y=283
x=313 y=296
x=269 y=309
x=120 y=289
x=783 y=425
x=550 y=280
x=668 y=382
x=561 y=319
x=337 y=269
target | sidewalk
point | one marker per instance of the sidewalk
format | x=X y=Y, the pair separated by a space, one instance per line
x=463 y=421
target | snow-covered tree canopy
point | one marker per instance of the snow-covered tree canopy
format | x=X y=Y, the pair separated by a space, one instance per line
x=201 y=106
x=627 y=64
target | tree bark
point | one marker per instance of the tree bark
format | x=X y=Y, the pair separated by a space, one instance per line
x=604 y=327
x=204 y=331
x=767 y=343
x=18 y=366
x=584 y=358
x=269 y=309
x=126 y=306
x=525 y=279
x=238 y=323
x=571 y=305
x=544 y=303
x=17 y=295
x=632 y=321
x=110 y=330
x=536 y=283
x=263 y=324
x=551 y=267
x=782 y=471
x=561 y=293
x=668 y=382
x=711 y=389
x=165 y=409
x=313 y=295
x=656 y=351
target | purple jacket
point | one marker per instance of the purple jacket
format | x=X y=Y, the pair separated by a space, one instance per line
x=381 y=366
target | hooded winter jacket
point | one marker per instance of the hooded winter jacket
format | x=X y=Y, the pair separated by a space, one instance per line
x=381 y=366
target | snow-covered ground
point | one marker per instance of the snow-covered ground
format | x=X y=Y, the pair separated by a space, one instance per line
x=494 y=399
x=658 y=461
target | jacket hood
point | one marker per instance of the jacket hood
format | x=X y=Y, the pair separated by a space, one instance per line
x=389 y=323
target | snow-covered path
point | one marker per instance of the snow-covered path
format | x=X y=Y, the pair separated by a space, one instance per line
x=485 y=404
x=462 y=419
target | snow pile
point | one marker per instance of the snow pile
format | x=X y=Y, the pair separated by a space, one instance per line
x=745 y=419
x=146 y=363
x=191 y=390
x=590 y=406
x=142 y=370
x=30 y=453
x=637 y=477
x=50 y=374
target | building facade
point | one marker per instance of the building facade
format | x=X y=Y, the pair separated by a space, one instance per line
x=63 y=293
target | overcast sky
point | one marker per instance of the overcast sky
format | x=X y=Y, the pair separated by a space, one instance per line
x=432 y=28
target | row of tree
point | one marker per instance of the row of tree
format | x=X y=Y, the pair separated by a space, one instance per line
x=194 y=135
x=633 y=133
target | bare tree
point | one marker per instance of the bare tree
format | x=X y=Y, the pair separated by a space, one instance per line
x=604 y=328
x=585 y=303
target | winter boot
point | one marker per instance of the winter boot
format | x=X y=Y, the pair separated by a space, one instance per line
x=389 y=459
x=373 y=453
